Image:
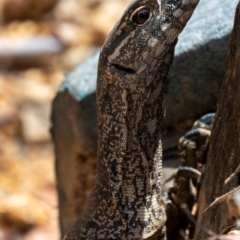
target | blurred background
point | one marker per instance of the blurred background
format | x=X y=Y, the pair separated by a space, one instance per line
x=39 y=40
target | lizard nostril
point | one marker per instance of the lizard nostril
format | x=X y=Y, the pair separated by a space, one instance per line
x=125 y=69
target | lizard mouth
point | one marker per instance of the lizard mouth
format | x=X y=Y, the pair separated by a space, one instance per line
x=125 y=69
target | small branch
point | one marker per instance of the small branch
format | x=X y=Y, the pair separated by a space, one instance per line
x=192 y=219
x=221 y=199
x=229 y=179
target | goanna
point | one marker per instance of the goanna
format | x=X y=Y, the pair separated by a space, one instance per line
x=131 y=86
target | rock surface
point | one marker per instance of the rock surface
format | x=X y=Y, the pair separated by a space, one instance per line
x=196 y=78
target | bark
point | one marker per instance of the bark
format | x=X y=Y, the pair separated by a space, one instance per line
x=224 y=151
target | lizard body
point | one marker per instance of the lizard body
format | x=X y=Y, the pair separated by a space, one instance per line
x=132 y=83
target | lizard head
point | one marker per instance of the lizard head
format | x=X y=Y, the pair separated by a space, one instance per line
x=133 y=79
x=146 y=31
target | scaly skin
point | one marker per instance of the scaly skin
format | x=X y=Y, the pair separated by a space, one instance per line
x=132 y=83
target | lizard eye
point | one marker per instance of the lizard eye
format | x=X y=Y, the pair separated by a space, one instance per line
x=141 y=16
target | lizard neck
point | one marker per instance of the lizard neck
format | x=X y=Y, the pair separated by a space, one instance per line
x=130 y=152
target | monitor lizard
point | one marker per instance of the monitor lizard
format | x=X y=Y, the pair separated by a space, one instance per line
x=132 y=83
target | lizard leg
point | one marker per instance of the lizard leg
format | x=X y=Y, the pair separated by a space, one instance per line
x=193 y=147
x=182 y=192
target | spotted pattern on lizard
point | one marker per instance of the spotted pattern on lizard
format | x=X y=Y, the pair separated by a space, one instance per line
x=131 y=86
